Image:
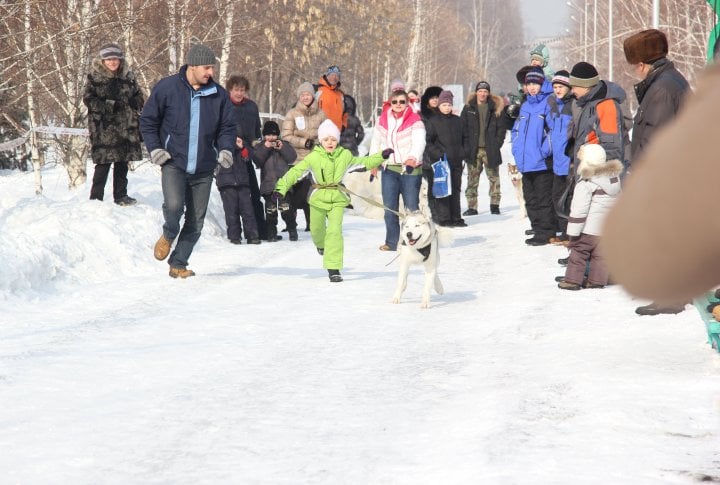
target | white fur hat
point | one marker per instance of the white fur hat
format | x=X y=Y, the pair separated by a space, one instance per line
x=592 y=155
x=327 y=128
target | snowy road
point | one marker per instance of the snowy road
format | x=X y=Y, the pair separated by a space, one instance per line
x=260 y=371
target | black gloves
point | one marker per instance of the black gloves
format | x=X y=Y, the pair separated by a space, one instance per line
x=309 y=144
x=387 y=152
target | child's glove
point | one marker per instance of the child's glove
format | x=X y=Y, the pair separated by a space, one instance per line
x=225 y=159
x=159 y=156
x=409 y=169
x=309 y=144
x=386 y=153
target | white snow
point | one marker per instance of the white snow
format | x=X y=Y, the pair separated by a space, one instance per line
x=259 y=370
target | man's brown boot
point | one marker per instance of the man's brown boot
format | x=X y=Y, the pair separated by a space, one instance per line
x=181 y=273
x=162 y=248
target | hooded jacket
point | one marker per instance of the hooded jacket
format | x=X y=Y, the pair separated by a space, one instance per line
x=326 y=171
x=530 y=144
x=330 y=100
x=114 y=102
x=353 y=133
x=174 y=107
x=600 y=120
x=494 y=129
x=273 y=164
x=594 y=195
x=405 y=135
x=559 y=124
x=301 y=124
x=660 y=96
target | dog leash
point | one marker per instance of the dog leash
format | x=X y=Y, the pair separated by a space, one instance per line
x=347 y=191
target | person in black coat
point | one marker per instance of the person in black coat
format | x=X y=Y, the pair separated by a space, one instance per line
x=247 y=118
x=274 y=157
x=429 y=102
x=483 y=136
x=443 y=135
x=234 y=186
x=353 y=132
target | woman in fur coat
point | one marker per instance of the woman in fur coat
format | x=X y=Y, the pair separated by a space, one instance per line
x=114 y=101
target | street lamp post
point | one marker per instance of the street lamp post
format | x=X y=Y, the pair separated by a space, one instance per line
x=610 y=40
x=585 y=24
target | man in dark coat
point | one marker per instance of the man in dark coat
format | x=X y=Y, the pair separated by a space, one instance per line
x=483 y=136
x=660 y=93
x=188 y=128
x=113 y=99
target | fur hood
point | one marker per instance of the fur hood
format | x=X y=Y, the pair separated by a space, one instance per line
x=498 y=102
x=98 y=70
x=611 y=168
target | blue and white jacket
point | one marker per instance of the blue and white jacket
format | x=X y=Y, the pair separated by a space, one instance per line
x=530 y=144
x=559 y=124
x=193 y=126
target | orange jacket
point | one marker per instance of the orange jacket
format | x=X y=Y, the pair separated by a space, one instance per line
x=330 y=100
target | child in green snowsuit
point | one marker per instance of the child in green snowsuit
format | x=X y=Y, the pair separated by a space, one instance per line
x=327 y=163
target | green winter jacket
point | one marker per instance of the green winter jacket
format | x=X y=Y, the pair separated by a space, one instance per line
x=327 y=171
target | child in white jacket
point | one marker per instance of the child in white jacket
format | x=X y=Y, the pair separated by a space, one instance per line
x=595 y=193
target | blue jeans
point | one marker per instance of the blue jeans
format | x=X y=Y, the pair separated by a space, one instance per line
x=394 y=185
x=189 y=194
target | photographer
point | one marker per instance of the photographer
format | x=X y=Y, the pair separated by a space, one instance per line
x=274 y=158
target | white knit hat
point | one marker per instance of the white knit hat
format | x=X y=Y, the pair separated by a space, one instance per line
x=327 y=128
x=592 y=155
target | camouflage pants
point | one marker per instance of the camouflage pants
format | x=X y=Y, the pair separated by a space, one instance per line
x=493 y=176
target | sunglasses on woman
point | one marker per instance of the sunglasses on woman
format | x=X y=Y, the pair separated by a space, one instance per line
x=398 y=101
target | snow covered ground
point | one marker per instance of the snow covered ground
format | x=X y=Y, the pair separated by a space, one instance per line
x=260 y=371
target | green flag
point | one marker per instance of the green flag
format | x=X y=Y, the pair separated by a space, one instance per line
x=714 y=34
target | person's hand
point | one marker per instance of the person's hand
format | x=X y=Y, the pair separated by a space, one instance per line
x=225 y=159
x=276 y=196
x=309 y=144
x=387 y=152
x=373 y=174
x=159 y=156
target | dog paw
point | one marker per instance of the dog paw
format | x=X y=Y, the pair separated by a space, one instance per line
x=425 y=304
x=395 y=300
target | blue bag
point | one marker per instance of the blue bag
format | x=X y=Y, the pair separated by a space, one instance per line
x=441 y=178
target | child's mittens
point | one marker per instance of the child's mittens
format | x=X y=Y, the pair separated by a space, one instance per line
x=386 y=153
x=309 y=144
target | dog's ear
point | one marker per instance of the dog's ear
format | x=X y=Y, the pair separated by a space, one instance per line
x=424 y=211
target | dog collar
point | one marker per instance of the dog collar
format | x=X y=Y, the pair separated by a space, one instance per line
x=425 y=252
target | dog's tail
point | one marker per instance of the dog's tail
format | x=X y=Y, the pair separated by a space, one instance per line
x=445 y=236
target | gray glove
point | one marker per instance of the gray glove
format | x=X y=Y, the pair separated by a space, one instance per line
x=225 y=159
x=159 y=156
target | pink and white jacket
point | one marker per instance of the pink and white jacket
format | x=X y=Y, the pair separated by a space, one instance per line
x=405 y=135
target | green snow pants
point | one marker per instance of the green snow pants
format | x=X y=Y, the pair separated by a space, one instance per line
x=326 y=232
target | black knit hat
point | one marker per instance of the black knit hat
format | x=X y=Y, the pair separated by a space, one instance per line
x=584 y=75
x=482 y=85
x=111 y=51
x=271 y=128
x=200 y=55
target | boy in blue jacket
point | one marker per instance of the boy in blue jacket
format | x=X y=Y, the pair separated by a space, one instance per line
x=533 y=157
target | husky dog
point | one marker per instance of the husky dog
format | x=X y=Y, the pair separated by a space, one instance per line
x=516 y=178
x=420 y=240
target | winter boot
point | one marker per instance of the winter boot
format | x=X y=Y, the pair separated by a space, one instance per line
x=563 y=261
x=235 y=241
x=470 y=212
x=529 y=232
x=334 y=276
x=657 y=309
x=162 y=248
x=566 y=285
x=126 y=201
x=254 y=240
x=272 y=233
x=292 y=234
x=181 y=273
x=495 y=209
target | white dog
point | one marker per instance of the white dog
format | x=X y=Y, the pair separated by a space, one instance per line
x=420 y=240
